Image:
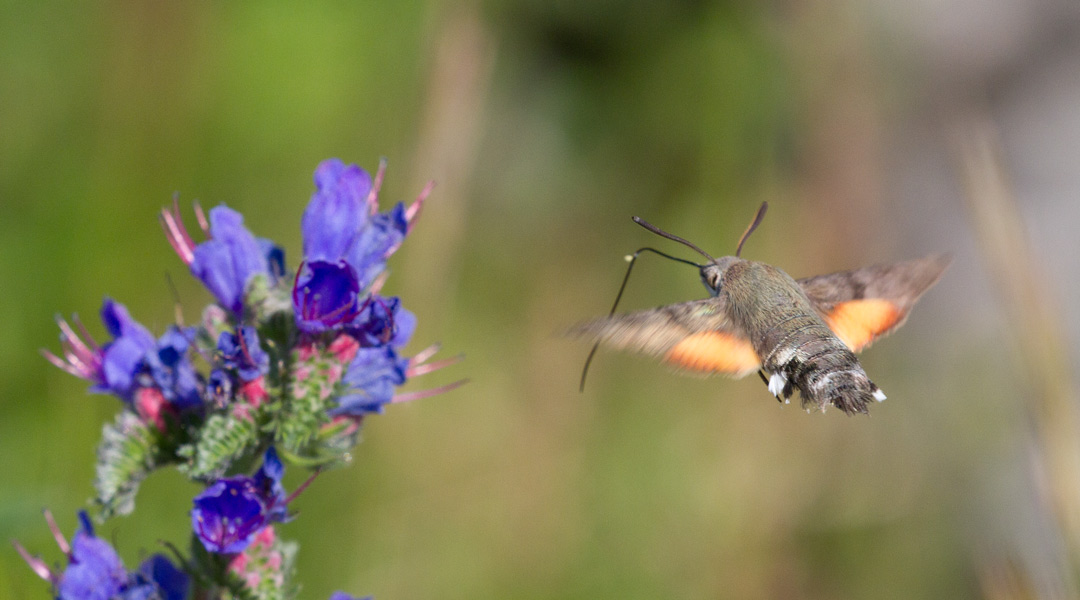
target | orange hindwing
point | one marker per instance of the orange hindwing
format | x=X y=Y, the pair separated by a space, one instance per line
x=714 y=352
x=859 y=322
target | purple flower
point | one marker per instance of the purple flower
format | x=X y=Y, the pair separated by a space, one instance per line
x=95 y=571
x=344 y=596
x=371 y=377
x=122 y=358
x=268 y=482
x=337 y=211
x=243 y=353
x=325 y=295
x=114 y=367
x=346 y=244
x=377 y=241
x=226 y=261
x=275 y=258
x=158 y=578
x=230 y=513
x=382 y=321
x=219 y=387
x=132 y=361
x=172 y=371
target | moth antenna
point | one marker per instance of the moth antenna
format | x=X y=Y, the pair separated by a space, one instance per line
x=753 y=225
x=632 y=258
x=662 y=233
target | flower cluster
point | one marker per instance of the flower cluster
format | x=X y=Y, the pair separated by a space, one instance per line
x=294 y=362
x=95 y=572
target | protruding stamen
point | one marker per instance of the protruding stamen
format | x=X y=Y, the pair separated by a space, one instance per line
x=84 y=334
x=373 y=195
x=37 y=565
x=424 y=354
x=176 y=233
x=414 y=209
x=303 y=486
x=58 y=363
x=423 y=369
x=72 y=339
x=380 y=280
x=79 y=358
x=410 y=396
x=200 y=216
x=57 y=535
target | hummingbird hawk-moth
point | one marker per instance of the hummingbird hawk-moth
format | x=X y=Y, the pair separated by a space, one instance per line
x=798 y=334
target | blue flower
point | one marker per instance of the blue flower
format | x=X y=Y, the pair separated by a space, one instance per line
x=172 y=371
x=377 y=241
x=219 y=387
x=337 y=211
x=133 y=360
x=230 y=513
x=158 y=578
x=275 y=258
x=371 y=378
x=243 y=354
x=383 y=321
x=226 y=261
x=95 y=571
x=268 y=482
x=344 y=596
x=114 y=367
x=325 y=295
x=346 y=244
x=122 y=358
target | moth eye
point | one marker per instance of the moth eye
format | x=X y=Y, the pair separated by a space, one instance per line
x=712 y=281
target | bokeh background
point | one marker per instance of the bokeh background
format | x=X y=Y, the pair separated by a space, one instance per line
x=877 y=130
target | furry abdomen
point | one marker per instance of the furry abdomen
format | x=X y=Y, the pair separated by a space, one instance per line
x=824 y=371
x=797 y=349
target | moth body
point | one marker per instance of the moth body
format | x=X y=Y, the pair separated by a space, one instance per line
x=799 y=334
x=794 y=345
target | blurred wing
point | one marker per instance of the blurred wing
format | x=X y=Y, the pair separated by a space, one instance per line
x=695 y=336
x=865 y=304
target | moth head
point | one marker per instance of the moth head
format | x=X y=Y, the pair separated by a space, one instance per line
x=712 y=273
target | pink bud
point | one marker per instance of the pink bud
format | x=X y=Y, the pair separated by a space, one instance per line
x=254 y=391
x=344 y=348
x=152 y=406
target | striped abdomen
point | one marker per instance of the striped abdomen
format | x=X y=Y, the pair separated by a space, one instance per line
x=801 y=352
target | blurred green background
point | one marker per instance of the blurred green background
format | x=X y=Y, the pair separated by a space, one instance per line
x=546 y=125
